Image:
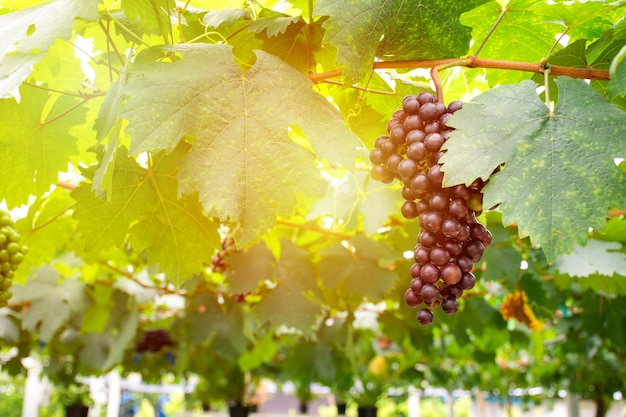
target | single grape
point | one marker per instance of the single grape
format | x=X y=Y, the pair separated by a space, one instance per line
x=439 y=202
x=443 y=120
x=416 y=151
x=392 y=163
x=450 y=305
x=380 y=173
x=415 y=270
x=412 y=123
x=410 y=105
x=407 y=168
x=461 y=191
x=389 y=148
x=451 y=274
x=432 y=127
x=425 y=317
x=433 y=142
x=421 y=255
x=430 y=293
x=439 y=257
x=435 y=176
x=392 y=123
x=399 y=115
x=408 y=194
x=415 y=135
x=474 y=249
x=416 y=285
x=451 y=228
x=412 y=299
x=409 y=210
x=431 y=111
x=458 y=208
x=397 y=134
x=467 y=282
x=427 y=239
x=426 y=97
x=454 y=291
x=377 y=156
x=453 y=106
x=454 y=247
x=429 y=273
x=465 y=263
x=431 y=220
x=420 y=184
x=422 y=206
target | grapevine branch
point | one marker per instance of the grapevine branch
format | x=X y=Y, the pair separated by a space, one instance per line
x=475 y=62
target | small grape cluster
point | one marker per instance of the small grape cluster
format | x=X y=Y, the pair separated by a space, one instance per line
x=11 y=255
x=154 y=340
x=218 y=262
x=451 y=240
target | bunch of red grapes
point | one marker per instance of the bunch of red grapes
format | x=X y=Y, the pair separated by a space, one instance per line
x=451 y=240
x=154 y=340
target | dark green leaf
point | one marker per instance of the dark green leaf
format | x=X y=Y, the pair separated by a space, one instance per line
x=357 y=270
x=552 y=168
x=292 y=302
x=245 y=270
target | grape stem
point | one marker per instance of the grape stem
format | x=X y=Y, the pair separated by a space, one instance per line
x=475 y=62
x=546 y=79
x=313 y=229
x=493 y=29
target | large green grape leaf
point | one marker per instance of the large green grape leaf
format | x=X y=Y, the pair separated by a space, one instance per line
x=35 y=143
x=9 y=326
x=557 y=182
x=521 y=35
x=152 y=16
x=297 y=44
x=412 y=30
x=586 y=20
x=598 y=266
x=291 y=302
x=47 y=230
x=145 y=210
x=243 y=163
x=245 y=270
x=222 y=323
x=26 y=35
x=52 y=301
x=429 y=30
x=501 y=258
x=263 y=351
x=122 y=336
x=357 y=272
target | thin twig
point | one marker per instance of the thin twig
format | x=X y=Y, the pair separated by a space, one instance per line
x=112 y=43
x=52 y=90
x=474 y=62
x=493 y=29
x=356 y=87
x=66 y=112
x=555 y=44
x=546 y=79
x=33 y=229
x=310 y=228
x=130 y=276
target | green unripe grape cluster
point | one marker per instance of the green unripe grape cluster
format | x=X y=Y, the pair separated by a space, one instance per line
x=11 y=256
